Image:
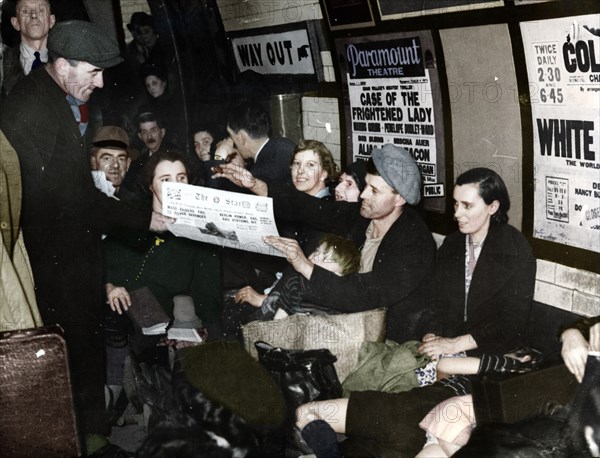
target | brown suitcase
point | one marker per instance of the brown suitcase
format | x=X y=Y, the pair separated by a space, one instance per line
x=36 y=404
x=498 y=398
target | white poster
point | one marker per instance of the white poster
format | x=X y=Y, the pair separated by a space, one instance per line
x=230 y=219
x=391 y=101
x=563 y=66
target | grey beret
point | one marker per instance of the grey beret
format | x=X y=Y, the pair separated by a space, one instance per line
x=84 y=41
x=399 y=169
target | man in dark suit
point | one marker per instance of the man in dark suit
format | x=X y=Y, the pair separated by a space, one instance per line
x=269 y=159
x=33 y=20
x=63 y=214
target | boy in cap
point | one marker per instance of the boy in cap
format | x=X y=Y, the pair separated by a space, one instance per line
x=397 y=247
x=63 y=214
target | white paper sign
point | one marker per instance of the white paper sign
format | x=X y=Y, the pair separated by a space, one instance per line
x=222 y=218
x=563 y=65
x=275 y=53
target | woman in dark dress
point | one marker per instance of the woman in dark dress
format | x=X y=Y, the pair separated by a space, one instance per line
x=167 y=265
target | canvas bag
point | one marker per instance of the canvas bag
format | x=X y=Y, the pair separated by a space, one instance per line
x=341 y=334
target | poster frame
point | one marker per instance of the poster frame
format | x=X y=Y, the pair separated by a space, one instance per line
x=435 y=204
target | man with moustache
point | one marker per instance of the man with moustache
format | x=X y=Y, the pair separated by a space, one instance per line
x=151 y=132
x=33 y=20
x=63 y=214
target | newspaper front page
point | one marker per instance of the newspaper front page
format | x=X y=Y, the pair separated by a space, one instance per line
x=218 y=217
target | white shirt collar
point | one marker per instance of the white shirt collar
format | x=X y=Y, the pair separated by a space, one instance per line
x=260 y=149
x=27 y=57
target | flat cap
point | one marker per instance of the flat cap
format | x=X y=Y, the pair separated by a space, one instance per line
x=399 y=169
x=84 y=41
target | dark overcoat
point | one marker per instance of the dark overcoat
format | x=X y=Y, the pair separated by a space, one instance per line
x=403 y=260
x=500 y=294
x=63 y=217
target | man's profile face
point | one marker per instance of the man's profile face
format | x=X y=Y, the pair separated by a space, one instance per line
x=240 y=140
x=151 y=135
x=113 y=162
x=82 y=79
x=378 y=198
x=33 y=19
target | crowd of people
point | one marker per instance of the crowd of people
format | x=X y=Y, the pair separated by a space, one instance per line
x=93 y=225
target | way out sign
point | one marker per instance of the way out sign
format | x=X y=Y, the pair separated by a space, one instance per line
x=275 y=53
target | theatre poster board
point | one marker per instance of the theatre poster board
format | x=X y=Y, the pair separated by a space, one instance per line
x=392 y=95
x=563 y=67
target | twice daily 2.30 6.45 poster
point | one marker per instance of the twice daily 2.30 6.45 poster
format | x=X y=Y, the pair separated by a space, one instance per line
x=563 y=65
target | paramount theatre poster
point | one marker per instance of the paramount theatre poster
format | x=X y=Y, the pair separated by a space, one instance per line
x=563 y=66
x=392 y=96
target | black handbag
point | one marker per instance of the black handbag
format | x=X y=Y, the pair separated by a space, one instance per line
x=302 y=375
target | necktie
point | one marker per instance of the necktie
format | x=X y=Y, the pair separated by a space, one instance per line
x=472 y=260
x=37 y=61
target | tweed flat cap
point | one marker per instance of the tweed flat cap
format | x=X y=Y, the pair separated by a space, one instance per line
x=399 y=169
x=84 y=41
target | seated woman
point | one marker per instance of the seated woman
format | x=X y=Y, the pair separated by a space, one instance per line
x=481 y=293
x=167 y=265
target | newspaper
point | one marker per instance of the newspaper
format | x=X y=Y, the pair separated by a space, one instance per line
x=223 y=218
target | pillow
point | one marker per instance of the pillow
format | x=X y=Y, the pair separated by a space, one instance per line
x=342 y=334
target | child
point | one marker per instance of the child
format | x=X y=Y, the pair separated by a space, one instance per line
x=334 y=253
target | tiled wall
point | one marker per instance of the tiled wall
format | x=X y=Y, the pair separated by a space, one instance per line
x=321 y=121
x=568 y=288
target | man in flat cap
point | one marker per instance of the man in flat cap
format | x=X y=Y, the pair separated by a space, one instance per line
x=397 y=250
x=63 y=214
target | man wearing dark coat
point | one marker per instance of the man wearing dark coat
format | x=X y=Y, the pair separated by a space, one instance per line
x=33 y=20
x=268 y=159
x=63 y=214
x=397 y=251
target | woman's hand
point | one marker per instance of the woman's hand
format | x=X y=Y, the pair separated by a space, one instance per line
x=292 y=251
x=433 y=345
x=118 y=298
x=575 y=350
x=249 y=295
